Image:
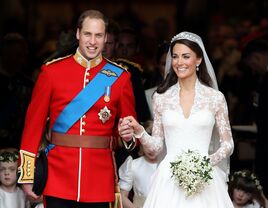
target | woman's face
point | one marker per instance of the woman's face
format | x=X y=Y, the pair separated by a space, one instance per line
x=241 y=197
x=184 y=61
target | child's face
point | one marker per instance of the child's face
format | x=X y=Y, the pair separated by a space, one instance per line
x=241 y=197
x=8 y=173
x=150 y=155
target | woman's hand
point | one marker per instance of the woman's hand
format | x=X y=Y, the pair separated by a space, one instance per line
x=128 y=127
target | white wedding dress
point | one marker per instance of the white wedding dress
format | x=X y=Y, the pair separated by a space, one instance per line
x=180 y=133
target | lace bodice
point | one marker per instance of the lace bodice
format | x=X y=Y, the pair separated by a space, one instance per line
x=209 y=111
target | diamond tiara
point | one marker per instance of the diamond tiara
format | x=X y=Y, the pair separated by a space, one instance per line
x=187 y=35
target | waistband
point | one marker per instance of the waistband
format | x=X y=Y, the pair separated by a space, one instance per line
x=85 y=141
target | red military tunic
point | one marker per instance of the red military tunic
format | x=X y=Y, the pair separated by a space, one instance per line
x=81 y=174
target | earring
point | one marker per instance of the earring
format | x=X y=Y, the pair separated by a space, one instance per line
x=197 y=68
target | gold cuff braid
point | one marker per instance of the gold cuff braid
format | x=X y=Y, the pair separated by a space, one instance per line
x=26 y=167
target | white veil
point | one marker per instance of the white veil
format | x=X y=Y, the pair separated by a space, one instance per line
x=215 y=141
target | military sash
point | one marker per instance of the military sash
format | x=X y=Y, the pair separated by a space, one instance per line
x=86 y=98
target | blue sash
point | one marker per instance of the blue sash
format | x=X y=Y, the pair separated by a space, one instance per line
x=86 y=98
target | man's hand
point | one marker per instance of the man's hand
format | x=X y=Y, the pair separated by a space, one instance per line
x=126 y=132
x=28 y=189
x=129 y=127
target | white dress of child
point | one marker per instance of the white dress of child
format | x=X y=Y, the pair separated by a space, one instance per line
x=16 y=199
x=136 y=174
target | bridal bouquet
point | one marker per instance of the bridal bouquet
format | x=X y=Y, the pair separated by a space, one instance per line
x=191 y=171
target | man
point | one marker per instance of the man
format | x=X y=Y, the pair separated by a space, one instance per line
x=126 y=53
x=84 y=95
x=110 y=45
x=128 y=44
x=255 y=56
x=122 y=46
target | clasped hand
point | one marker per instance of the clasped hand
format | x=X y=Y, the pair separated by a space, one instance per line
x=128 y=127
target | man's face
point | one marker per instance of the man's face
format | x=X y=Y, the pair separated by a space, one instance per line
x=92 y=37
x=126 y=46
x=8 y=174
x=258 y=62
x=109 y=49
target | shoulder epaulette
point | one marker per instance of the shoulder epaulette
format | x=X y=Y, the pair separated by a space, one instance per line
x=57 y=59
x=116 y=64
x=136 y=65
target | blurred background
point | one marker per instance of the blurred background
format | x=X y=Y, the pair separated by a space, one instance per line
x=41 y=22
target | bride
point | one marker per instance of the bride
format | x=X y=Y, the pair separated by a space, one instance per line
x=190 y=113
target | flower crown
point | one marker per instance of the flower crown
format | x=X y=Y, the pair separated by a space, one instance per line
x=7 y=156
x=249 y=176
x=188 y=36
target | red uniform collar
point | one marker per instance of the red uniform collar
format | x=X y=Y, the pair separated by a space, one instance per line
x=80 y=59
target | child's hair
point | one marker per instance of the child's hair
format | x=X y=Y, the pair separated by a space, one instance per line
x=9 y=155
x=247 y=181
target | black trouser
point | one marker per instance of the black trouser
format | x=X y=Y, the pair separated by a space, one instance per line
x=53 y=202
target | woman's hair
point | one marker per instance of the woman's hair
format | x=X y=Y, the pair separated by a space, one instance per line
x=246 y=181
x=202 y=73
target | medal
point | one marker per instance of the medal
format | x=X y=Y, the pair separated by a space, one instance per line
x=107 y=94
x=106 y=98
x=104 y=114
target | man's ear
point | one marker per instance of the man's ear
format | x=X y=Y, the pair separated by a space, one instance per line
x=77 y=33
x=106 y=37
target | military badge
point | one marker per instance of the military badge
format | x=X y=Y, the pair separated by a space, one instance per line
x=109 y=73
x=104 y=114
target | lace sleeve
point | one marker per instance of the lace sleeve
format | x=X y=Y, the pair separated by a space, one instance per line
x=224 y=132
x=155 y=142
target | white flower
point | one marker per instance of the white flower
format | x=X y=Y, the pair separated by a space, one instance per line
x=191 y=171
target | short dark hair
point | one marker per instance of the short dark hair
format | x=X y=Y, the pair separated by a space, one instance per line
x=113 y=27
x=161 y=49
x=130 y=31
x=94 y=14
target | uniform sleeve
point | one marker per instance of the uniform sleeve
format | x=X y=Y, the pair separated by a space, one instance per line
x=35 y=122
x=126 y=174
x=155 y=142
x=127 y=101
x=224 y=130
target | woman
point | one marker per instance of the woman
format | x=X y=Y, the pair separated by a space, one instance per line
x=187 y=109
